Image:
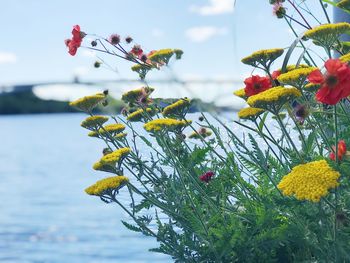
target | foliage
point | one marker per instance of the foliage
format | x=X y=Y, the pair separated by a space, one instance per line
x=218 y=198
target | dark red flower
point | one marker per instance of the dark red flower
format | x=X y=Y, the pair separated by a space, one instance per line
x=74 y=43
x=256 y=84
x=341 y=151
x=114 y=39
x=335 y=83
x=206 y=177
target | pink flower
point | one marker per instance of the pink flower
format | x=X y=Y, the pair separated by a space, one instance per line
x=74 y=43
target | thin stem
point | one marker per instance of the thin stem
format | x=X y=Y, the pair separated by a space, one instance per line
x=301 y=15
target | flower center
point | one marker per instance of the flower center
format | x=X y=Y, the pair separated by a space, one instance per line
x=331 y=80
x=257 y=86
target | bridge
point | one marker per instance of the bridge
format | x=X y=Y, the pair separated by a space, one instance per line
x=209 y=90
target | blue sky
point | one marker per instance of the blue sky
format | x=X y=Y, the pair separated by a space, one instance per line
x=213 y=35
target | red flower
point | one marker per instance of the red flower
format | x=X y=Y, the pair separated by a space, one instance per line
x=74 y=43
x=335 y=83
x=341 y=151
x=206 y=177
x=137 y=51
x=256 y=84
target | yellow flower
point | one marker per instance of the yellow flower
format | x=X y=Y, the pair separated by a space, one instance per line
x=240 y=93
x=93 y=134
x=202 y=132
x=94 y=122
x=295 y=77
x=142 y=69
x=103 y=167
x=309 y=181
x=312 y=87
x=263 y=57
x=138 y=115
x=345 y=58
x=273 y=98
x=250 y=113
x=88 y=103
x=107 y=185
x=133 y=96
x=161 y=56
x=112 y=158
x=177 y=108
x=326 y=35
x=120 y=136
x=160 y=124
x=112 y=128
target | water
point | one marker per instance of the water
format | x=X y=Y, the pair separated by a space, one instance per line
x=45 y=216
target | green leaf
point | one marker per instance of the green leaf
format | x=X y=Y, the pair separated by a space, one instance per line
x=149 y=144
x=132 y=227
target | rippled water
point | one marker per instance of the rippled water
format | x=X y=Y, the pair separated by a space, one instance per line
x=45 y=163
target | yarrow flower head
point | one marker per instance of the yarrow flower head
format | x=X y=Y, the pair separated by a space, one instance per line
x=107 y=186
x=240 y=93
x=263 y=57
x=201 y=133
x=335 y=83
x=140 y=114
x=206 y=177
x=165 y=124
x=256 y=84
x=326 y=35
x=250 y=113
x=112 y=129
x=176 y=109
x=341 y=151
x=94 y=122
x=273 y=99
x=137 y=95
x=88 y=103
x=309 y=181
x=296 y=77
x=115 y=157
x=74 y=43
x=161 y=56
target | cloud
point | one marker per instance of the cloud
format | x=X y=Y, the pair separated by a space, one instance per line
x=204 y=33
x=8 y=58
x=215 y=7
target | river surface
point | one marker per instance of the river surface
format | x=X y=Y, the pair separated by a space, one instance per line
x=45 y=216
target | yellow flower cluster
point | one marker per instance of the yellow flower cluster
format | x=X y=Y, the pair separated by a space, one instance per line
x=295 y=77
x=107 y=184
x=198 y=134
x=93 y=122
x=344 y=4
x=112 y=129
x=120 y=136
x=326 y=35
x=309 y=181
x=263 y=57
x=142 y=69
x=162 y=55
x=250 y=113
x=88 y=103
x=138 y=115
x=240 y=93
x=167 y=123
x=177 y=107
x=273 y=98
x=134 y=95
x=98 y=166
x=312 y=87
x=112 y=158
x=345 y=58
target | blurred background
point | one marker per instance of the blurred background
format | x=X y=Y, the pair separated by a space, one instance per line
x=46 y=159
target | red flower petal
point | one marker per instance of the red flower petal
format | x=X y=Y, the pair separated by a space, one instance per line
x=316 y=77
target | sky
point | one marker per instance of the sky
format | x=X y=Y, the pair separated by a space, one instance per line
x=214 y=35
